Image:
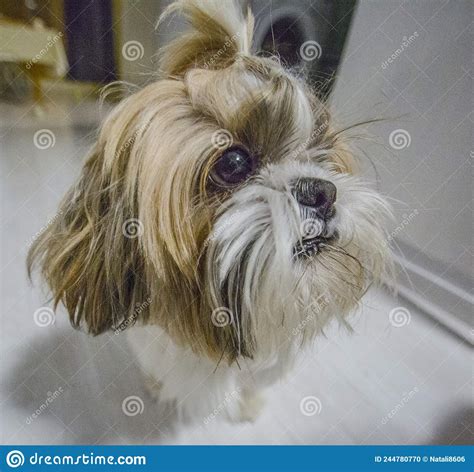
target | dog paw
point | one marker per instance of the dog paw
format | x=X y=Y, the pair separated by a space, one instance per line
x=153 y=387
x=251 y=405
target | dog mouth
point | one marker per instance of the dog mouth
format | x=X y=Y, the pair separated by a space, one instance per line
x=309 y=247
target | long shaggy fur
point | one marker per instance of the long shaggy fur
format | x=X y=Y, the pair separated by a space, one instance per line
x=196 y=250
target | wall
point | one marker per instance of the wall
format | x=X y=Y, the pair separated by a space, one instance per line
x=411 y=63
x=136 y=38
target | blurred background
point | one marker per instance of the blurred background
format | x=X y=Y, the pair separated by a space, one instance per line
x=405 y=375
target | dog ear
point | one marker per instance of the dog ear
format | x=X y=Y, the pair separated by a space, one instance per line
x=219 y=32
x=90 y=254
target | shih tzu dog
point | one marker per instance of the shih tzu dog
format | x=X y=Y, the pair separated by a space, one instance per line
x=219 y=212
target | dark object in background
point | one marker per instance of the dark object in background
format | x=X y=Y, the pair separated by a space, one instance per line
x=90 y=41
x=455 y=427
x=306 y=34
x=15 y=86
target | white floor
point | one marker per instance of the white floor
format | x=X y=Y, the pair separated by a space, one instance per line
x=379 y=385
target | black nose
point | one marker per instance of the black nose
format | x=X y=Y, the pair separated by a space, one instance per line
x=318 y=194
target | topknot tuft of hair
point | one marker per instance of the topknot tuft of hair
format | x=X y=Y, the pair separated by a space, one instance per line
x=220 y=31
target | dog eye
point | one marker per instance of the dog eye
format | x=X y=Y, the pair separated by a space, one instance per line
x=233 y=167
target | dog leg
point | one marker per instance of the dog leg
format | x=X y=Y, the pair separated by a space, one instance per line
x=251 y=405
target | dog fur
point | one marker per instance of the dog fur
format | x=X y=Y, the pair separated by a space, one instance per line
x=213 y=270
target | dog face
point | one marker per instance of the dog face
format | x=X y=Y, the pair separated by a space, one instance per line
x=223 y=197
